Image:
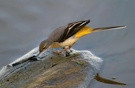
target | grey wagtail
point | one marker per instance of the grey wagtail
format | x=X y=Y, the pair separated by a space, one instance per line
x=66 y=36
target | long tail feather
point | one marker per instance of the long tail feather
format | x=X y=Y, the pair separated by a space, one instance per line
x=108 y=28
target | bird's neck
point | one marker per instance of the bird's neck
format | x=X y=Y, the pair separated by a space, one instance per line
x=83 y=31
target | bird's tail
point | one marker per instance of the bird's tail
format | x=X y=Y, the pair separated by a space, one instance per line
x=108 y=28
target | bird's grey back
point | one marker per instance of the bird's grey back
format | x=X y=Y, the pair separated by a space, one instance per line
x=58 y=34
x=62 y=33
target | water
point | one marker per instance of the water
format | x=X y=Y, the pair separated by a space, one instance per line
x=25 y=23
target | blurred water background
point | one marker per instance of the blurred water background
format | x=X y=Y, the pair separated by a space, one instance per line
x=25 y=23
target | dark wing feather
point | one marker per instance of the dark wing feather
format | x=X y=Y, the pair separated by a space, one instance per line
x=68 y=32
x=71 y=30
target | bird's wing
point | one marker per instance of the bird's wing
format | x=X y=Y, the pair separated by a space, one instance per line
x=70 y=31
x=64 y=32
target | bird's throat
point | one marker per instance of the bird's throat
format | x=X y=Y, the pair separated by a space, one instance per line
x=83 y=31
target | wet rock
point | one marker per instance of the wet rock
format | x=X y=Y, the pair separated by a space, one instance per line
x=52 y=71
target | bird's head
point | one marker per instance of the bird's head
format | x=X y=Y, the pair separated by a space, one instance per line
x=43 y=45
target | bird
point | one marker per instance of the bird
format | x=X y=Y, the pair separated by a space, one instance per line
x=66 y=36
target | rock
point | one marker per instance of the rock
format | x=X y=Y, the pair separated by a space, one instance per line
x=51 y=71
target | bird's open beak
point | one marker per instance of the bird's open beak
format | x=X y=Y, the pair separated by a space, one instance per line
x=108 y=28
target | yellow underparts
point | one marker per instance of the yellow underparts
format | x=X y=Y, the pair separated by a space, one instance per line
x=84 y=31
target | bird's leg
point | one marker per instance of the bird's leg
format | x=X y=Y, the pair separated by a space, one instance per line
x=64 y=49
x=70 y=48
x=60 y=51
